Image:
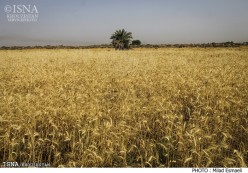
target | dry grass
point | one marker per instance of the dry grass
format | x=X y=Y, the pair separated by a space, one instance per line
x=138 y=108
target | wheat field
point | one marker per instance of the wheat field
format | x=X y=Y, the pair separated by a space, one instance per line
x=167 y=107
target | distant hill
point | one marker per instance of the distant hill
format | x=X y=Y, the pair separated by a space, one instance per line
x=204 y=45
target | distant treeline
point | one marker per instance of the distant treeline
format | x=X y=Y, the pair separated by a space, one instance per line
x=205 y=45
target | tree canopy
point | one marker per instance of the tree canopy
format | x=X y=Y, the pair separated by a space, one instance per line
x=121 y=39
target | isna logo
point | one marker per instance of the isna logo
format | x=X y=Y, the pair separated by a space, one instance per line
x=21 y=9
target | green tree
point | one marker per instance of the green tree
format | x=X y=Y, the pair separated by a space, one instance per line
x=121 y=39
x=136 y=42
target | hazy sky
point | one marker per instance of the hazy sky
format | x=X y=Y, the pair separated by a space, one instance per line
x=85 y=22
